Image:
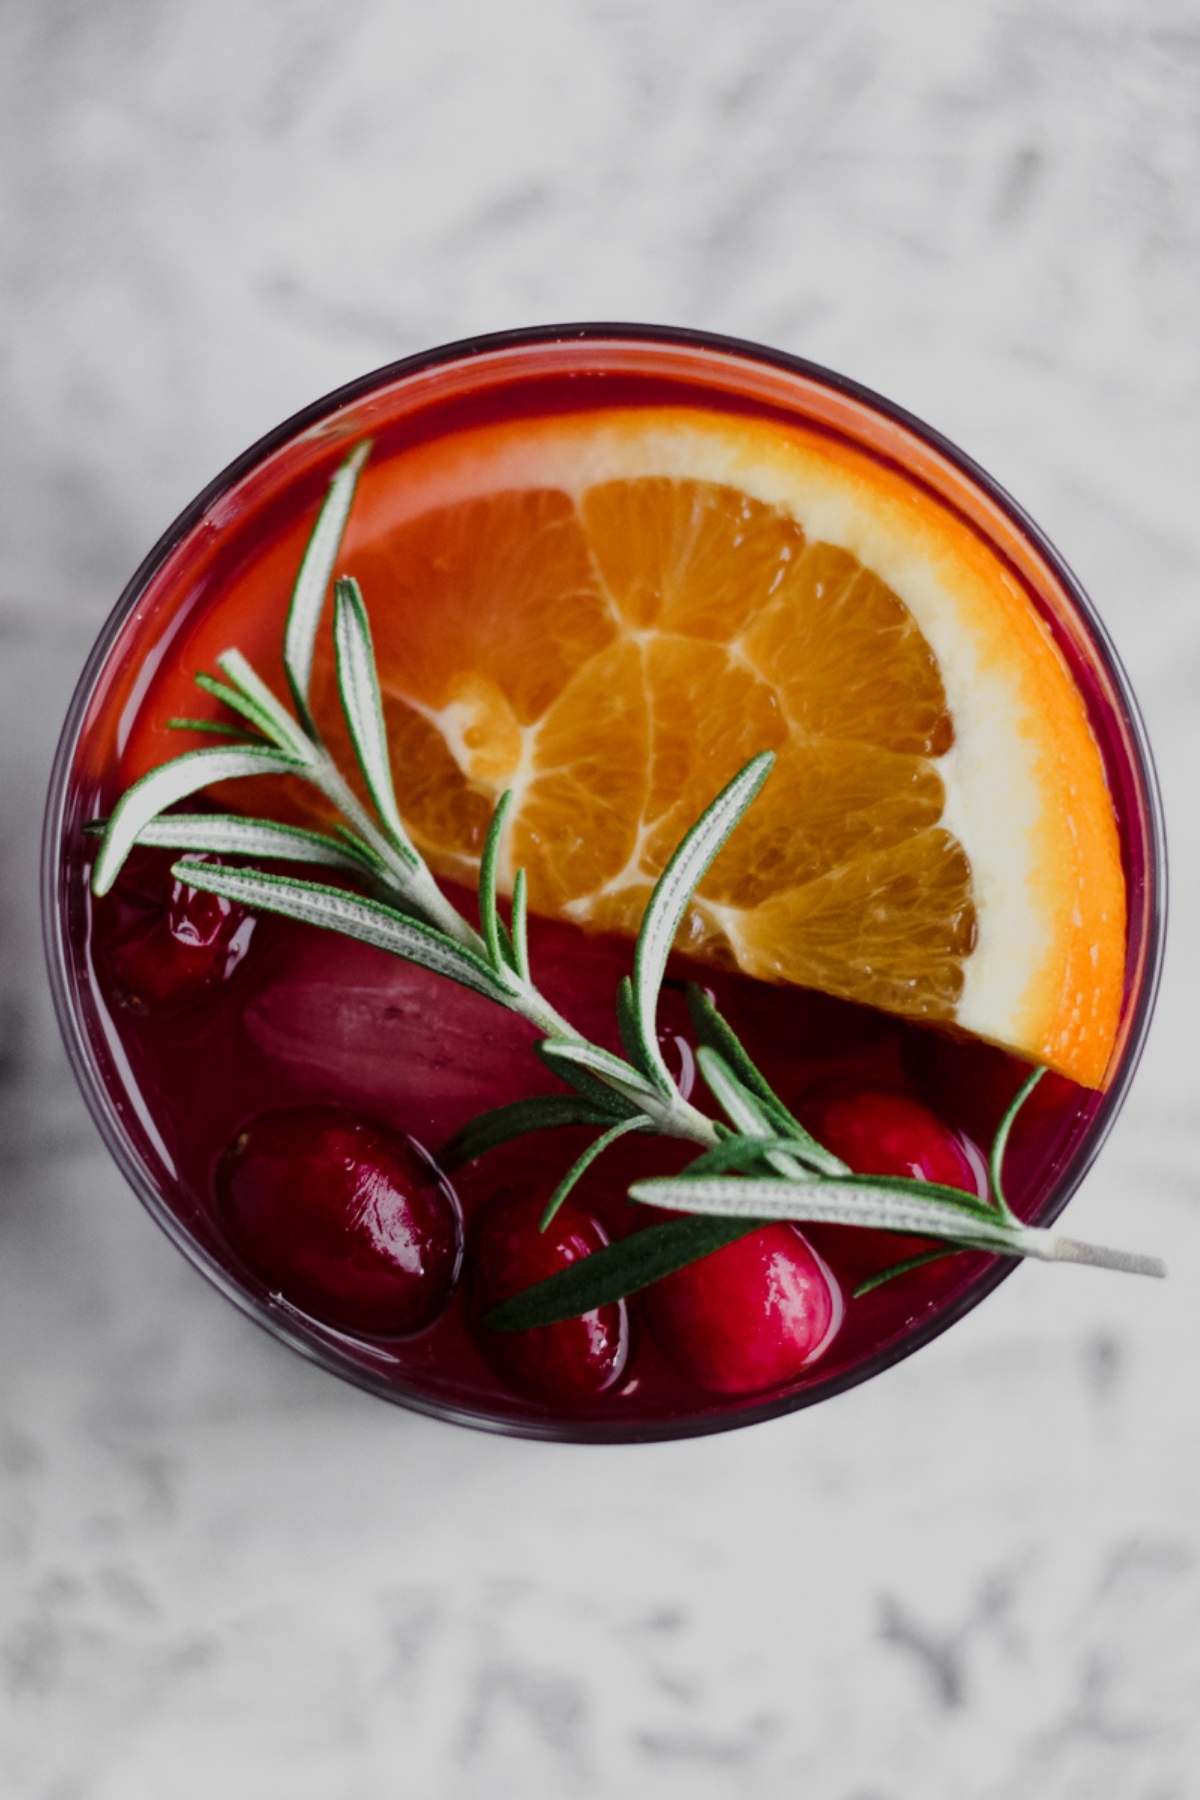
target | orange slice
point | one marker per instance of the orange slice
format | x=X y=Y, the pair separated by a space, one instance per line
x=609 y=613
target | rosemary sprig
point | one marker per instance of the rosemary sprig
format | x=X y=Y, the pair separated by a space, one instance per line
x=761 y=1164
x=406 y=913
x=707 y=1195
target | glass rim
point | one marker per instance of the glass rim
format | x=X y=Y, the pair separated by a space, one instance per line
x=95 y=1092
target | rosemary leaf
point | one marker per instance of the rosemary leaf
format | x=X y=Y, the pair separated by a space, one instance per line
x=239 y=703
x=613 y=1072
x=489 y=917
x=584 y=1161
x=906 y=1267
x=362 y=703
x=745 y=1112
x=234 y=834
x=210 y=727
x=519 y=931
x=634 y=1043
x=508 y=956
x=619 y=1269
x=883 y=1203
x=333 y=909
x=715 y=1031
x=673 y=892
x=280 y=725
x=316 y=571
x=740 y=1153
x=1000 y=1143
x=365 y=852
x=586 y=1085
x=169 y=783
x=544 y=1112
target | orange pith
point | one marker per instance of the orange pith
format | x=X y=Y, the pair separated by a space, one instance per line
x=612 y=643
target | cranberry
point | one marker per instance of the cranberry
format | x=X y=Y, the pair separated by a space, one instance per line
x=170 y=942
x=879 y=1131
x=350 y=1223
x=574 y=1360
x=750 y=1316
x=882 y=1131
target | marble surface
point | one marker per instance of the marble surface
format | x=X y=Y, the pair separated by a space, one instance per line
x=978 y=1577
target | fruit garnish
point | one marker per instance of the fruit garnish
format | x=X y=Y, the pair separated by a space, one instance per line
x=758 y=1164
x=173 y=941
x=350 y=1223
x=609 y=614
x=881 y=1131
x=750 y=1316
x=575 y=1359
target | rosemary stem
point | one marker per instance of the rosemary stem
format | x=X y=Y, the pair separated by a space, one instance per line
x=413 y=882
x=673 y=1116
x=683 y=1120
x=1100 y=1256
x=1041 y=1245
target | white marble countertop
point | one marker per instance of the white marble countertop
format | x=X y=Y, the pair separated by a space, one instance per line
x=221 y=1572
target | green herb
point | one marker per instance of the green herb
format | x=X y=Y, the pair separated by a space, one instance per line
x=705 y=1194
x=906 y=1267
x=584 y=1162
x=760 y=1165
x=544 y=1112
x=618 y=1270
x=669 y=902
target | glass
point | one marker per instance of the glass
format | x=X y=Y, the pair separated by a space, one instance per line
x=281 y=478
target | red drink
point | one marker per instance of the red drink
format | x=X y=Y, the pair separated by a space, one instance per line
x=250 y=1020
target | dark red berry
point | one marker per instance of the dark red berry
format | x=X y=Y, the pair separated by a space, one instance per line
x=574 y=1360
x=748 y=1317
x=170 y=942
x=351 y=1223
x=880 y=1131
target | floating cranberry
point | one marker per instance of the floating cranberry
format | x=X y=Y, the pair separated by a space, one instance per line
x=574 y=1360
x=750 y=1316
x=351 y=1223
x=879 y=1131
x=169 y=942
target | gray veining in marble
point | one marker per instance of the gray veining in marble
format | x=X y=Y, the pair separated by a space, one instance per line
x=220 y=1572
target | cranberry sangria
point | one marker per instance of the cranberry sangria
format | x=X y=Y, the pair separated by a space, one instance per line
x=605 y=884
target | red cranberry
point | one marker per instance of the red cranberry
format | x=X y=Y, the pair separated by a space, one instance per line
x=350 y=1223
x=170 y=941
x=574 y=1360
x=748 y=1317
x=879 y=1131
